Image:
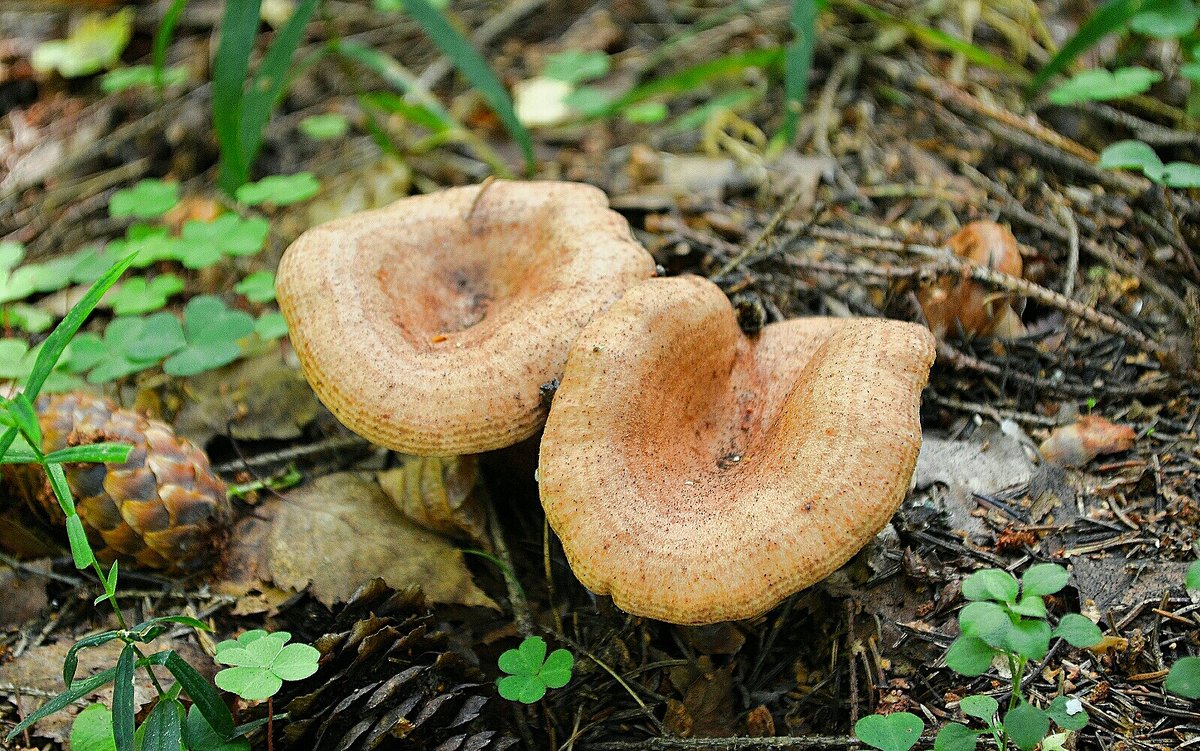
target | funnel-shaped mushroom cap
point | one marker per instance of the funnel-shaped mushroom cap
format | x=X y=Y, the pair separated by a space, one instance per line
x=430 y=325
x=698 y=475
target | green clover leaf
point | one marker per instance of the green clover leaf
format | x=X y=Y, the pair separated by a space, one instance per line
x=227 y=235
x=270 y=325
x=130 y=344
x=212 y=332
x=145 y=200
x=280 y=190
x=898 y=731
x=325 y=127
x=531 y=672
x=1100 y=85
x=262 y=662
x=137 y=295
x=258 y=287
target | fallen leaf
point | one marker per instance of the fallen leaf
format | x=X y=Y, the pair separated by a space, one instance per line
x=440 y=494
x=337 y=532
x=967 y=306
x=1090 y=436
x=24 y=593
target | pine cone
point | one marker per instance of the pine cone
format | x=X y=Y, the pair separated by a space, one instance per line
x=388 y=680
x=163 y=508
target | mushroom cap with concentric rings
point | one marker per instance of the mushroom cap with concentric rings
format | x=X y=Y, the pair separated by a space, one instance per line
x=429 y=326
x=698 y=475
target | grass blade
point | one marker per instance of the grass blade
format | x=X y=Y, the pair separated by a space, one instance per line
x=239 y=27
x=162 y=39
x=472 y=65
x=1109 y=18
x=798 y=60
x=695 y=76
x=58 y=340
x=76 y=692
x=97 y=453
x=259 y=100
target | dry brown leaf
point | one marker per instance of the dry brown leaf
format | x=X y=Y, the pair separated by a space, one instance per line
x=440 y=494
x=1090 y=436
x=337 y=532
x=24 y=592
x=967 y=305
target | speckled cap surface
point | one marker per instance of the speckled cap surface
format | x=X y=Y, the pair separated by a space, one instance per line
x=698 y=475
x=429 y=326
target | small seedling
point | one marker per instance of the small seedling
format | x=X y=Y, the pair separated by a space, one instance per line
x=262 y=662
x=898 y=731
x=1007 y=619
x=279 y=190
x=531 y=672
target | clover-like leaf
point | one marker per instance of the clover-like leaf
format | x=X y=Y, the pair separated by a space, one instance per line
x=135 y=76
x=1184 y=678
x=991 y=584
x=137 y=295
x=1129 y=154
x=280 y=190
x=270 y=325
x=1029 y=639
x=212 y=332
x=898 y=731
x=1192 y=581
x=29 y=318
x=979 y=705
x=93 y=261
x=1100 y=85
x=1026 y=726
x=130 y=344
x=227 y=235
x=1068 y=713
x=988 y=621
x=1078 y=630
x=531 y=672
x=146 y=200
x=96 y=43
x=325 y=127
x=970 y=656
x=956 y=737
x=258 y=287
x=1044 y=579
x=575 y=66
x=262 y=662
x=1166 y=19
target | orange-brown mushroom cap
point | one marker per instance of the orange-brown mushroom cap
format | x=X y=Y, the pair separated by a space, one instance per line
x=698 y=475
x=430 y=325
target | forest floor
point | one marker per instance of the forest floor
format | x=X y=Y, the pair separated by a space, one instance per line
x=902 y=144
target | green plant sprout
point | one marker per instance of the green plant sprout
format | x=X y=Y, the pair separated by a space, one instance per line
x=898 y=731
x=1137 y=155
x=1007 y=619
x=531 y=672
x=261 y=662
x=1184 y=678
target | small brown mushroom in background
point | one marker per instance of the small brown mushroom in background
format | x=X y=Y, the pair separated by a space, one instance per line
x=430 y=325
x=967 y=306
x=1090 y=436
x=699 y=475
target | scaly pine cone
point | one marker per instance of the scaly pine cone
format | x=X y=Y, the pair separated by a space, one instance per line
x=163 y=508
x=388 y=680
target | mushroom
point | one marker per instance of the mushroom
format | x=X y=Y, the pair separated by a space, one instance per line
x=966 y=306
x=698 y=475
x=430 y=326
